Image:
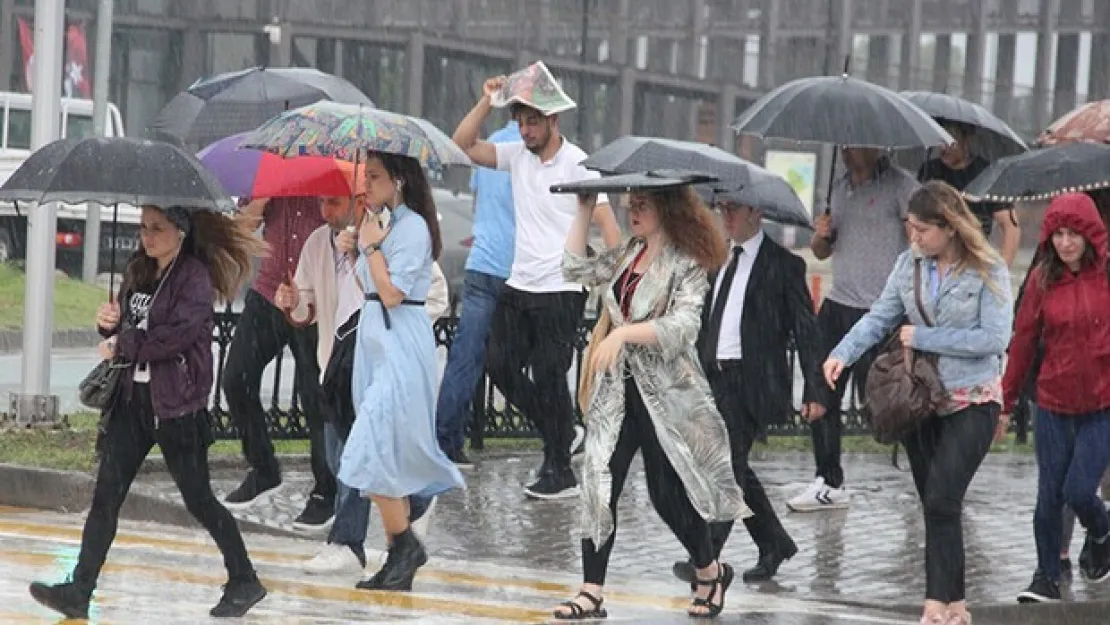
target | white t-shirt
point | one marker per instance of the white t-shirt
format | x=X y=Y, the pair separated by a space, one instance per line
x=543 y=219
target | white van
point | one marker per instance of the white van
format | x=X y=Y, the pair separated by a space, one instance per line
x=15 y=147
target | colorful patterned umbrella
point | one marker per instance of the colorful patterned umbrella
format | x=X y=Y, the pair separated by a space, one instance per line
x=254 y=173
x=343 y=131
x=1090 y=122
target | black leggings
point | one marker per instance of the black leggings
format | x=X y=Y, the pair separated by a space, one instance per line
x=665 y=488
x=131 y=433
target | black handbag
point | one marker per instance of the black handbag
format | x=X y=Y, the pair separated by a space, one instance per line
x=99 y=386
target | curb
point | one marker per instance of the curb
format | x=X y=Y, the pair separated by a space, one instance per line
x=1063 y=613
x=71 y=492
x=11 y=341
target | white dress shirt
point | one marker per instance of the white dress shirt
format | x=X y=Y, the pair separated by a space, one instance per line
x=728 y=343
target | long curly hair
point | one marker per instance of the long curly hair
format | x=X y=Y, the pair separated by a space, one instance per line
x=416 y=193
x=691 y=227
x=222 y=243
x=939 y=204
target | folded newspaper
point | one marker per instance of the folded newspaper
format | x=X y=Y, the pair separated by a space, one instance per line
x=534 y=86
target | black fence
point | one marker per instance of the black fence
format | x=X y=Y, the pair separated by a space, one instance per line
x=492 y=418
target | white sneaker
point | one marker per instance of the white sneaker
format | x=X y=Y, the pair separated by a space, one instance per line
x=576 y=445
x=817 y=496
x=420 y=526
x=333 y=559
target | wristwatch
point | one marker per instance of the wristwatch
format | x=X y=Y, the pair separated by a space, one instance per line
x=370 y=249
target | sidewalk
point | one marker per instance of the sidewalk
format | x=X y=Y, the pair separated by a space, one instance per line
x=871 y=554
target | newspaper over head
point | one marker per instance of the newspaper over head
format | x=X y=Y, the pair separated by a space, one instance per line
x=535 y=87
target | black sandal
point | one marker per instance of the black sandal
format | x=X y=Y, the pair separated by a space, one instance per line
x=577 y=612
x=724 y=580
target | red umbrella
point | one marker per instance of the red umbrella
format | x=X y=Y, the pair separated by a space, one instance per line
x=303 y=176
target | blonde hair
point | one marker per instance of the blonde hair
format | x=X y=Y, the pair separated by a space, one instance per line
x=939 y=204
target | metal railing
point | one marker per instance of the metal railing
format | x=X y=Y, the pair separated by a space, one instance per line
x=492 y=417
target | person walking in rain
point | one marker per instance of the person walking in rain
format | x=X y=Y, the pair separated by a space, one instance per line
x=1066 y=310
x=752 y=310
x=863 y=232
x=162 y=325
x=957 y=165
x=537 y=318
x=965 y=291
x=391 y=453
x=260 y=336
x=487 y=268
x=649 y=393
x=325 y=283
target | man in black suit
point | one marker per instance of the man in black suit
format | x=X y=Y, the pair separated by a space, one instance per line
x=754 y=307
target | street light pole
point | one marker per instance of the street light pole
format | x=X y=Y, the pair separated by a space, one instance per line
x=35 y=405
x=101 y=67
x=582 y=58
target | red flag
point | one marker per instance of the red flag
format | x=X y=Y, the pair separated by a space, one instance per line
x=75 y=74
x=27 y=42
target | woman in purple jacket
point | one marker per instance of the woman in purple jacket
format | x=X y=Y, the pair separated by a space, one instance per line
x=162 y=325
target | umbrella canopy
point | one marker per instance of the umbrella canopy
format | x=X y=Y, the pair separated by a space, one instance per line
x=632 y=154
x=840 y=110
x=648 y=181
x=344 y=131
x=773 y=196
x=1044 y=173
x=994 y=137
x=234 y=102
x=1090 y=122
x=115 y=170
x=254 y=173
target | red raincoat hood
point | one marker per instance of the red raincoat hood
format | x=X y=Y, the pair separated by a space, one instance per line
x=1078 y=212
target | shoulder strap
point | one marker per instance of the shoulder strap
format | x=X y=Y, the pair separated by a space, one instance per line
x=917 y=292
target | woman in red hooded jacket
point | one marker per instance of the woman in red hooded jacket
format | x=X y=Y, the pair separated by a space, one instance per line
x=1067 y=310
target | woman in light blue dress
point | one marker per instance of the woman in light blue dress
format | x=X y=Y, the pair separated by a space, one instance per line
x=392 y=454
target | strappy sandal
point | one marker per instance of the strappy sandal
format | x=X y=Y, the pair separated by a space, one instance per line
x=577 y=612
x=723 y=580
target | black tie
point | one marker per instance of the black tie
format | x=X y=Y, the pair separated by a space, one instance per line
x=717 y=312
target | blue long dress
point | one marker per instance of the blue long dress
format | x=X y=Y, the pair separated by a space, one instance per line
x=392 y=449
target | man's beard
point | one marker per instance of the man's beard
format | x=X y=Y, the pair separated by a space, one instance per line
x=540 y=147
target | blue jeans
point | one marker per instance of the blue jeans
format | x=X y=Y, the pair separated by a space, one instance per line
x=352 y=510
x=1072 y=453
x=466 y=358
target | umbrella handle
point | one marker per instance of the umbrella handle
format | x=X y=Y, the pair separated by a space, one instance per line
x=288 y=312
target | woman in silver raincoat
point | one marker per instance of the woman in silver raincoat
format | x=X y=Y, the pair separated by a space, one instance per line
x=650 y=393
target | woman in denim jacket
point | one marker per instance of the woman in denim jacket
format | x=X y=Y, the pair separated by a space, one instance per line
x=966 y=292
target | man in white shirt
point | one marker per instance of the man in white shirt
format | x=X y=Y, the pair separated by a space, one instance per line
x=532 y=338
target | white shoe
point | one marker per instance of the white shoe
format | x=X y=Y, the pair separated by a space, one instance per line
x=576 y=445
x=333 y=559
x=817 y=496
x=420 y=526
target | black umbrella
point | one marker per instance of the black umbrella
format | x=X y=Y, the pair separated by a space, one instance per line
x=840 y=110
x=773 y=196
x=113 y=171
x=235 y=102
x=1044 y=173
x=658 y=180
x=994 y=137
x=632 y=154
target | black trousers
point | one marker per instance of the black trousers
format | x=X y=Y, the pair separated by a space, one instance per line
x=531 y=348
x=261 y=335
x=944 y=456
x=730 y=392
x=834 y=321
x=129 y=436
x=665 y=488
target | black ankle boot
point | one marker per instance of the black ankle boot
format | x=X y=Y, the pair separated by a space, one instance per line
x=69 y=599
x=406 y=555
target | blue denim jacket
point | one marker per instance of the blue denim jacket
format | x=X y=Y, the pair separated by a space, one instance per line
x=972 y=321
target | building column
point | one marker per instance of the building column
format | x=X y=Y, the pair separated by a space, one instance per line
x=540 y=24
x=194 y=58
x=768 y=38
x=694 y=49
x=7 y=44
x=976 y=52
x=1004 y=74
x=911 y=50
x=942 y=61
x=629 y=100
x=461 y=16
x=1044 y=61
x=340 y=57
x=618 y=34
x=281 y=53
x=1065 y=93
x=726 y=114
x=878 y=60
x=1098 y=83
x=414 y=75
x=840 y=39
